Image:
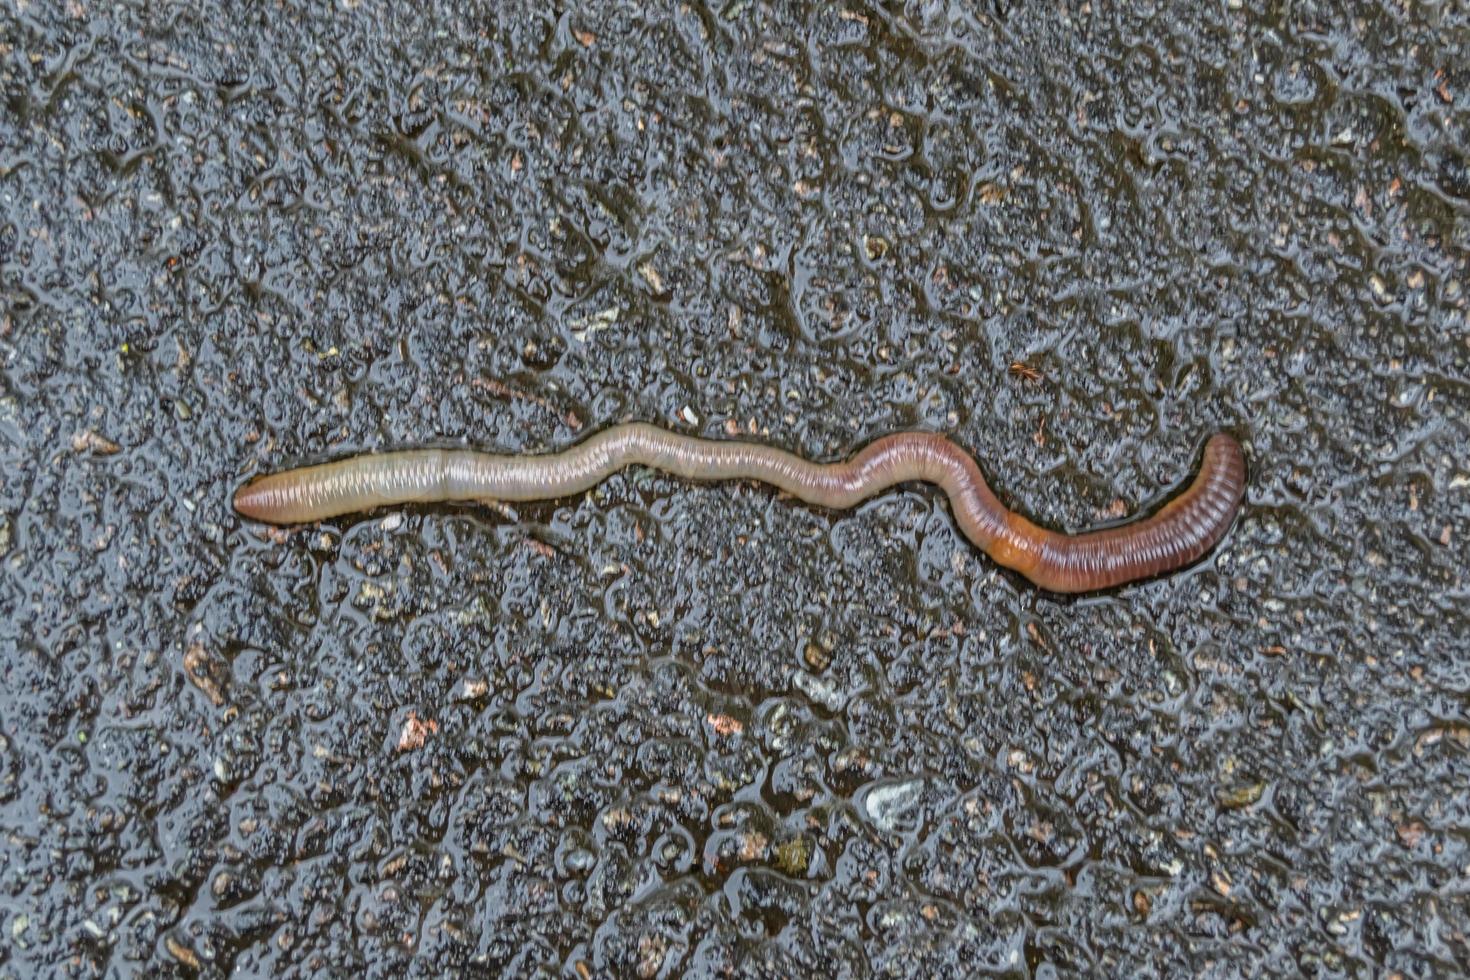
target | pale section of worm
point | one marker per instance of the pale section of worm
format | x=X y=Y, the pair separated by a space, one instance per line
x=1179 y=533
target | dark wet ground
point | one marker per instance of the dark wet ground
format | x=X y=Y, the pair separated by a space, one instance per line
x=667 y=729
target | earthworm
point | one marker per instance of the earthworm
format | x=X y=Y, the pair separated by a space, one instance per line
x=1176 y=535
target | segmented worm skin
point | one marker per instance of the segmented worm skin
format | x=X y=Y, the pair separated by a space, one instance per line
x=1178 y=534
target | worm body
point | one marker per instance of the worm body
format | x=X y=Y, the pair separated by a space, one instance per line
x=1176 y=535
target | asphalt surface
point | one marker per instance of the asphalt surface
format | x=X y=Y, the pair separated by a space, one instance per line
x=665 y=729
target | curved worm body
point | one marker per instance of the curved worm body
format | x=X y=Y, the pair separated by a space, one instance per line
x=1179 y=533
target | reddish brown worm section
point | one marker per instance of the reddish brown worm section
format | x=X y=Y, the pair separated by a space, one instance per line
x=1174 y=536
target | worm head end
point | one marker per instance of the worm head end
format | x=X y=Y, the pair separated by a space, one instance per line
x=255 y=502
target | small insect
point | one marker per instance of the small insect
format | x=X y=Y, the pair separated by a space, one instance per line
x=1024 y=371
